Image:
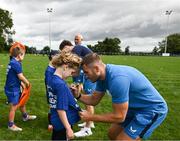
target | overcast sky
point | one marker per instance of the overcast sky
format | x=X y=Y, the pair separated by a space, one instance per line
x=141 y=24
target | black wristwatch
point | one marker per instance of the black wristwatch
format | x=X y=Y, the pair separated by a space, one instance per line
x=78 y=96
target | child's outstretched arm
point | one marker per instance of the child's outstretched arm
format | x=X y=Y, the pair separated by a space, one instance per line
x=23 y=79
x=63 y=117
x=23 y=85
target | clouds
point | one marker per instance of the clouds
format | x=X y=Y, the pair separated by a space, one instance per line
x=138 y=23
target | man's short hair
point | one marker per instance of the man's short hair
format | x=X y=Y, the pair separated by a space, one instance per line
x=79 y=36
x=65 y=43
x=52 y=53
x=90 y=58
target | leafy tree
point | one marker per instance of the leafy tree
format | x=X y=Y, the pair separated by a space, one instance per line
x=161 y=46
x=111 y=45
x=173 y=44
x=31 y=50
x=90 y=47
x=155 y=50
x=6 y=24
x=127 y=50
x=46 y=50
x=99 y=47
x=108 y=45
x=2 y=41
x=27 y=49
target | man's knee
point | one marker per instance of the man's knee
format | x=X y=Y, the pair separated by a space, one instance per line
x=110 y=134
x=114 y=130
x=123 y=136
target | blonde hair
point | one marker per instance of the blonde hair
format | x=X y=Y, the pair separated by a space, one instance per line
x=68 y=58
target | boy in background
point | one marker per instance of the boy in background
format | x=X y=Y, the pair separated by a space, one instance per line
x=14 y=80
x=48 y=75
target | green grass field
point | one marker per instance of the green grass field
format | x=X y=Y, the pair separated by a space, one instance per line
x=163 y=72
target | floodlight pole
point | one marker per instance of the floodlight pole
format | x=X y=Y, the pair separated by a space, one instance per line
x=50 y=10
x=166 y=41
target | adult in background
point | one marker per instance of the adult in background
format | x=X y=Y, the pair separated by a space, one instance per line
x=78 y=39
x=137 y=107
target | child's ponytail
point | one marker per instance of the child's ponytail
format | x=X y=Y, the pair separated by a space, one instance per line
x=72 y=60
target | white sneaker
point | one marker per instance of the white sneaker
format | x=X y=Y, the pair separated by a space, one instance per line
x=83 y=132
x=92 y=125
x=84 y=124
x=30 y=117
x=14 y=128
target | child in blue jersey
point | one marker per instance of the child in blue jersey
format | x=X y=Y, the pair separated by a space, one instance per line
x=48 y=75
x=15 y=79
x=85 y=84
x=64 y=109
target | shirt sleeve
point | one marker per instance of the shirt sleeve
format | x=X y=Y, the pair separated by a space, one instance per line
x=62 y=97
x=119 y=89
x=17 y=68
x=100 y=87
x=86 y=51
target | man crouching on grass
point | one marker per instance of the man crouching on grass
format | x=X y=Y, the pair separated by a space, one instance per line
x=138 y=108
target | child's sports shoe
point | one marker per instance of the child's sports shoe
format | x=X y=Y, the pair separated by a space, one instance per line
x=50 y=127
x=83 y=132
x=82 y=125
x=29 y=117
x=14 y=128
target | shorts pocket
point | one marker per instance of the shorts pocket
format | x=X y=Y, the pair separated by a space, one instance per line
x=144 y=118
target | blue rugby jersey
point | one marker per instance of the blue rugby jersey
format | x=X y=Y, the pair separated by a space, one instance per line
x=127 y=84
x=61 y=98
x=48 y=76
x=12 y=81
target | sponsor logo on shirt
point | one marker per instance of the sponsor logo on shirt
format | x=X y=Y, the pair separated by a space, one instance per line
x=52 y=98
x=132 y=130
x=8 y=68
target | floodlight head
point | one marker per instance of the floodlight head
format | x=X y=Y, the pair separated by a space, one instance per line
x=168 y=12
x=49 y=9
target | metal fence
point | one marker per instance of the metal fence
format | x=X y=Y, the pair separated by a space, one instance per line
x=135 y=53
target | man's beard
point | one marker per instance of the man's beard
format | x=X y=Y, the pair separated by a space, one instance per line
x=98 y=78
